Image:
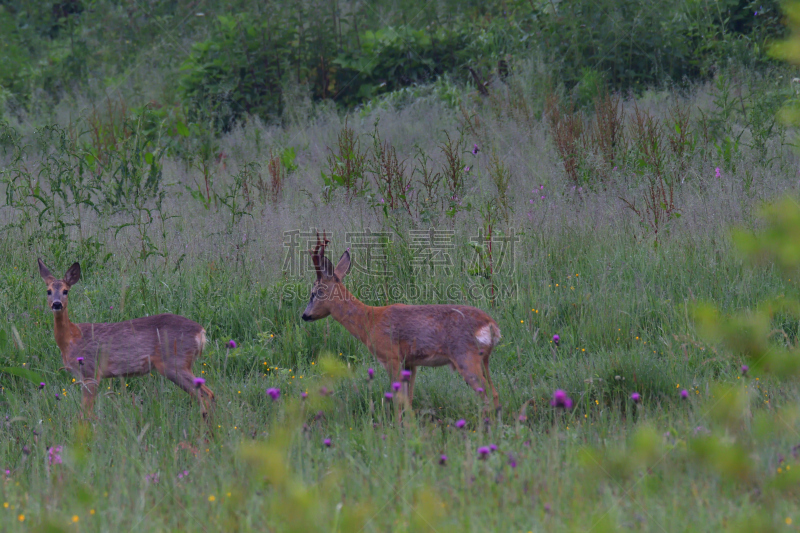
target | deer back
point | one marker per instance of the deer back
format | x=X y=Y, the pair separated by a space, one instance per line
x=134 y=347
x=433 y=335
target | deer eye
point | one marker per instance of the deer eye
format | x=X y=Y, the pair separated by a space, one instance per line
x=65 y=292
x=49 y=292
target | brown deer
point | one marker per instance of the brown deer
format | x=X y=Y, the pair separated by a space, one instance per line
x=407 y=336
x=168 y=343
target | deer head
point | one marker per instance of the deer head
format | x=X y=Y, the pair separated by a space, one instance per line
x=327 y=289
x=57 y=289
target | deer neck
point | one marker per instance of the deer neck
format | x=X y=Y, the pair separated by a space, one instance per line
x=65 y=331
x=356 y=317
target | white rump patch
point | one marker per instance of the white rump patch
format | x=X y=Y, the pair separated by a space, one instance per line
x=201 y=339
x=484 y=335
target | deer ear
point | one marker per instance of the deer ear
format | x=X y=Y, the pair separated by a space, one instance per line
x=344 y=265
x=73 y=275
x=45 y=272
x=326 y=267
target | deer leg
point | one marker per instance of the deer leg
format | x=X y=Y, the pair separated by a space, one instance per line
x=393 y=369
x=413 y=370
x=89 y=388
x=185 y=380
x=471 y=370
x=209 y=394
x=489 y=379
x=392 y=366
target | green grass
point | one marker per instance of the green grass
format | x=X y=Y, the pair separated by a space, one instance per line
x=619 y=307
x=585 y=269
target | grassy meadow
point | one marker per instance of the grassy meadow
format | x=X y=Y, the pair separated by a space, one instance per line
x=601 y=217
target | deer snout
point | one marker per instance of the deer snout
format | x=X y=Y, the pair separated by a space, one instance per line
x=57 y=306
x=306 y=318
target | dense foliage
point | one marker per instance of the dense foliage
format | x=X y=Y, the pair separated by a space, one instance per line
x=238 y=58
x=573 y=168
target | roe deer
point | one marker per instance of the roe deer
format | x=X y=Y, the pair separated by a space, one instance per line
x=168 y=343
x=407 y=336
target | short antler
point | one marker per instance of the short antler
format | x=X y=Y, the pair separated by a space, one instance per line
x=318 y=254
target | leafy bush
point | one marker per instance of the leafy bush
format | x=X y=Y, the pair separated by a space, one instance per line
x=242 y=58
x=393 y=58
x=634 y=43
x=237 y=71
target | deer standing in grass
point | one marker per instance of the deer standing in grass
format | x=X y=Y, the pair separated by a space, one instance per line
x=169 y=343
x=407 y=336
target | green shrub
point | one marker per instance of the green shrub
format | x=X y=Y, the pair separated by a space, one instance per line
x=392 y=58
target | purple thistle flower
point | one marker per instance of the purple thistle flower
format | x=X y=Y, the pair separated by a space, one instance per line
x=561 y=400
x=542 y=197
x=684 y=394
x=522 y=418
x=493 y=447
x=199 y=382
x=483 y=452
x=461 y=423
x=388 y=395
x=231 y=344
x=304 y=395
x=541 y=187
x=370 y=373
x=745 y=369
x=41 y=385
x=54 y=455
x=480 y=390
x=556 y=339
x=636 y=397
x=111 y=308
x=443 y=459
x=406 y=374
x=512 y=462
x=80 y=361
x=466 y=168
x=530 y=201
x=58 y=398
x=274 y=393
x=396 y=386
x=327 y=443
x=324 y=391
x=718 y=173
x=475 y=149
x=381 y=201
x=547 y=508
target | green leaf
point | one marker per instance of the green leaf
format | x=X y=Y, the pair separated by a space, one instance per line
x=24 y=373
x=182 y=129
